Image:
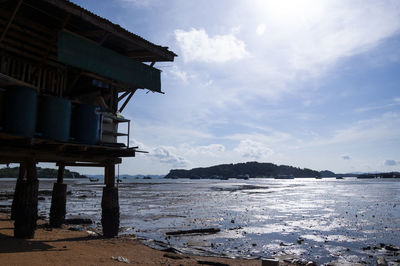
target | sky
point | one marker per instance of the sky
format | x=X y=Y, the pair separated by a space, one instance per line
x=312 y=84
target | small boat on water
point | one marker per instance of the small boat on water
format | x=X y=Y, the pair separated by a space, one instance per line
x=284 y=177
x=245 y=177
x=339 y=177
x=91 y=179
x=366 y=176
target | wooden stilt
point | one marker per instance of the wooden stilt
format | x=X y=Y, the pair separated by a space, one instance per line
x=58 y=200
x=109 y=203
x=26 y=209
x=17 y=192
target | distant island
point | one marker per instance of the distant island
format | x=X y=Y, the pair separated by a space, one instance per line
x=13 y=172
x=264 y=170
x=244 y=171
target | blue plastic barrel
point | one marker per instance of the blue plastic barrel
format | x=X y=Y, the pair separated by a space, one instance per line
x=20 y=111
x=85 y=122
x=54 y=118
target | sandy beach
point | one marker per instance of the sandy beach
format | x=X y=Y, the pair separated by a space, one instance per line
x=66 y=247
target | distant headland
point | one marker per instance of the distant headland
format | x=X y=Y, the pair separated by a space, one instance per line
x=13 y=172
x=243 y=171
x=262 y=170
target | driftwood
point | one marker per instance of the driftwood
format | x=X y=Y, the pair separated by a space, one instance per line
x=194 y=231
x=213 y=263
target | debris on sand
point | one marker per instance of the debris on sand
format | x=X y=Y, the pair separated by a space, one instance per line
x=203 y=262
x=78 y=221
x=172 y=256
x=380 y=261
x=121 y=259
x=194 y=231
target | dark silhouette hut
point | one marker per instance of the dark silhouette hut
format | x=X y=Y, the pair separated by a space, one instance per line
x=65 y=74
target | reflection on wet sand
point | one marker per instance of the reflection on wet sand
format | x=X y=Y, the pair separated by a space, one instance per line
x=321 y=220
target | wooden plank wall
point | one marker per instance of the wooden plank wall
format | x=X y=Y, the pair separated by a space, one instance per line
x=28 y=53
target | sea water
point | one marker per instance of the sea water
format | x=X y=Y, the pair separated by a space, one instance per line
x=322 y=220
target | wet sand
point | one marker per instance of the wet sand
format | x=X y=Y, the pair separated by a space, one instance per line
x=66 y=247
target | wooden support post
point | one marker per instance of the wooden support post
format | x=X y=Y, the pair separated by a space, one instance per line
x=109 y=174
x=17 y=192
x=109 y=203
x=26 y=209
x=126 y=101
x=58 y=200
x=60 y=174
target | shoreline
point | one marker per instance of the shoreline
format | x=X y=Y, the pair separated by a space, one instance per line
x=291 y=230
x=60 y=246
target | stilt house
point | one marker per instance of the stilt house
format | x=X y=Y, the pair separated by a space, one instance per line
x=65 y=75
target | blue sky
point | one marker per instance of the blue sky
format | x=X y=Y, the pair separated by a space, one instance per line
x=306 y=83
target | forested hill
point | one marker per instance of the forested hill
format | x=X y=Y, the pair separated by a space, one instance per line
x=252 y=169
x=10 y=172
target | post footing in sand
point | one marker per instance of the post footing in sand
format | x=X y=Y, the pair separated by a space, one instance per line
x=17 y=196
x=110 y=212
x=26 y=210
x=58 y=205
x=26 y=201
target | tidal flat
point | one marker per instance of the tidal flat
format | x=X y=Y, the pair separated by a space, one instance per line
x=320 y=220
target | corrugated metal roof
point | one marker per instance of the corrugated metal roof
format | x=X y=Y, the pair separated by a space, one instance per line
x=111 y=27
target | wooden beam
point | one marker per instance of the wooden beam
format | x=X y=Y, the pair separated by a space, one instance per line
x=139 y=54
x=7 y=80
x=74 y=81
x=92 y=33
x=77 y=164
x=126 y=101
x=123 y=95
x=24 y=32
x=22 y=52
x=3 y=34
x=153 y=63
x=105 y=37
x=28 y=23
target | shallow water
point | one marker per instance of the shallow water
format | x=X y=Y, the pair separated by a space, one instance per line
x=320 y=220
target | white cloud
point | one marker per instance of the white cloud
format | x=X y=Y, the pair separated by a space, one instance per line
x=165 y=156
x=139 y=3
x=270 y=137
x=253 y=150
x=179 y=74
x=161 y=154
x=392 y=103
x=196 y=45
x=209 y=150
x=260 y=29
x=380 y=128
x=307 y=37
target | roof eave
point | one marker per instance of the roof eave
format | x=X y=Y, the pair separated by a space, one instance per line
x=162 y=53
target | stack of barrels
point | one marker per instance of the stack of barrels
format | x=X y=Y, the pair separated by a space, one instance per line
x=24 y=113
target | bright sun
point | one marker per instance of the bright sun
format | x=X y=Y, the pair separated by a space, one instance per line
x=289 y=12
